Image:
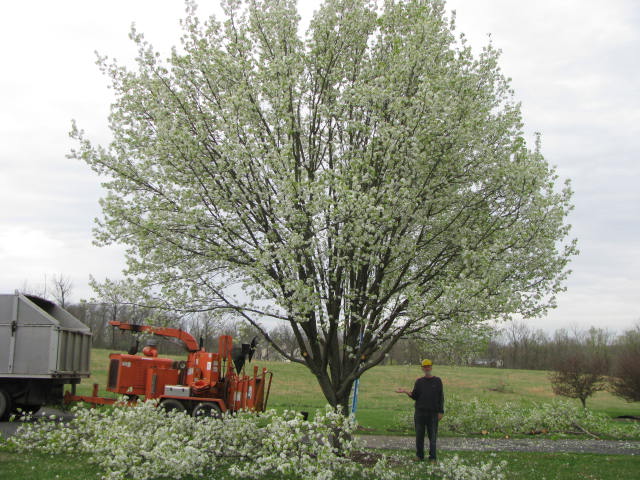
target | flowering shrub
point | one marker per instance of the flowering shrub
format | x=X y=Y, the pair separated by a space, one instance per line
x=472 y=416
x=143 y=442
x=456 y=469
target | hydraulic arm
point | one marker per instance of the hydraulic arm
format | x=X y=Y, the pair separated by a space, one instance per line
x=187 y=339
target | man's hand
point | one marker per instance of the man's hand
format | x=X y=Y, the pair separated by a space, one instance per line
x=440 y=415
x=402 y=390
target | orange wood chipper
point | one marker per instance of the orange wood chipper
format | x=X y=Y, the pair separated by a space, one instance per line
x=205 y=384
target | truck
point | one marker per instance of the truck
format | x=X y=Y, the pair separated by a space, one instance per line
x=205 y=384
x=42 y=348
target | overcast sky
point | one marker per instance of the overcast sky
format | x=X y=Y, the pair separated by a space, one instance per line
x=574 y=66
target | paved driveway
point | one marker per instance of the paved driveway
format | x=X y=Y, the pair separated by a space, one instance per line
x=611 y=447
x=9 y=428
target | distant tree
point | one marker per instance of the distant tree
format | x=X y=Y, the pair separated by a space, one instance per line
x=28 y=288
x=360 y=183
x=61 y=288
x=284 y=336
x=456 y=344
x=579 y=375
x=206 y=327
x=625 y=381
x=57 y=288
x=406 y=351
x=523 y=346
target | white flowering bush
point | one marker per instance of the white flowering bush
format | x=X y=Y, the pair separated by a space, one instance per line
x=472 y=416
x=455 y=468
x=143 y=442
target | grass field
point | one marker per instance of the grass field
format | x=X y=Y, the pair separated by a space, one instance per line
x=524 y=466
x=294 y=387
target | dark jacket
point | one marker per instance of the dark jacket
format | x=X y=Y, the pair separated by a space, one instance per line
x=428 y=394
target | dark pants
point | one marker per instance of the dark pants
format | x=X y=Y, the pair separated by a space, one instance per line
x=426 y=421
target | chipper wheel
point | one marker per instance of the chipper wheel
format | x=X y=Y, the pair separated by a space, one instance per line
x=207 y=409
x=5 y=404
x=171 y=404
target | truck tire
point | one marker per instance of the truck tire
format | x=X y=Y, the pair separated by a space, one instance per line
x=171 y=404
x=28 y=409
x=5 y=404
x=207 y=409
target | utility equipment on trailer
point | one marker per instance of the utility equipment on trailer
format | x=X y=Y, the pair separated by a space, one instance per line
x=205 y=384
x=42 y=348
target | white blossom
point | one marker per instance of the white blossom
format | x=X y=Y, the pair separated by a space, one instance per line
x=144 y=442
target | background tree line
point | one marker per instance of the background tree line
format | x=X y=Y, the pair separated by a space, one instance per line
x=516 y=345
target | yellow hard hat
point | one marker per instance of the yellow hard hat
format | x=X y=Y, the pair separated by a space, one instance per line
x=426 y=362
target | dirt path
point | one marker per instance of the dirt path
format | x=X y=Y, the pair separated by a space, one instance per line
x=611 y=447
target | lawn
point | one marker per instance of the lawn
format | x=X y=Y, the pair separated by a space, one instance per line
x=524 y=466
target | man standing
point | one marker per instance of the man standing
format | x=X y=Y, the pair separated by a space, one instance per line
x=429 y=397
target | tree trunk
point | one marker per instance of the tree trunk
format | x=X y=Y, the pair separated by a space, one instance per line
x=338 y=438
x=343 y=403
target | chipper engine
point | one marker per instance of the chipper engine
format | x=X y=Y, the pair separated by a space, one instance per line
x=205 y=384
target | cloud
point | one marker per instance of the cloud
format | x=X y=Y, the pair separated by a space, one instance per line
x=574 y=66
x=28 y=256
x=19 y=244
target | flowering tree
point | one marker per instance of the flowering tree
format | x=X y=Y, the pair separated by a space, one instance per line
x=361 y=183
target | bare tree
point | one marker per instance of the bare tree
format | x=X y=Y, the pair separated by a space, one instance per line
x=579 y=375
x=36 y=290
x=207 y=326
x=625 y=380
x=61 y=288
x=522 y=342
x=407 y=351
x=284 y=335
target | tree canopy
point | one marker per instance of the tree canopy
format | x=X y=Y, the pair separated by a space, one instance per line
x=363 y=181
